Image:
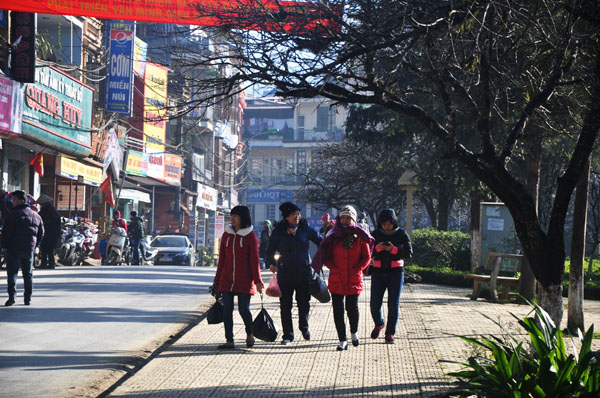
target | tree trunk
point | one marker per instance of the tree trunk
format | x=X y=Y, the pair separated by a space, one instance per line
x=575 y=307
x=444 y=204
x=534 y=148
x=550 y=299
x=476 y=197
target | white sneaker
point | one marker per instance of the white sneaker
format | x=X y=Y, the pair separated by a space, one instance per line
x=286 y=342
x=343 y=346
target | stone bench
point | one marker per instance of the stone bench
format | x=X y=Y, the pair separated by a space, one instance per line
x=506 y=282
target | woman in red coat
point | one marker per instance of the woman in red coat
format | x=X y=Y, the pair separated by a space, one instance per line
x=346 y=251
x=238 y=271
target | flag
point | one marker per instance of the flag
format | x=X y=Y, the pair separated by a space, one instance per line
x=106 y=187
x=38 y=163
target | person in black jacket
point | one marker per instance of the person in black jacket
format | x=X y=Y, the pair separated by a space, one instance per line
x=291 y=238
x=264 y=241
x=23 y=231
x=392 y=244
x=52 y=232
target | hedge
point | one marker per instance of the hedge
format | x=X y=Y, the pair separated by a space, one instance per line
x=433 y=248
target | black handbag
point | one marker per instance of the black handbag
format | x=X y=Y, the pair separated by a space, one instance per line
x=263 y=327
x=215 y=313
x=318 y=289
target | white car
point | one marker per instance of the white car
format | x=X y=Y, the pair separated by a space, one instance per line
x=174 y=249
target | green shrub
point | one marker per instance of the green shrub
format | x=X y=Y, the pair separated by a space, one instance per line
x=441 y=275
x=507 y=368
x=433 y=248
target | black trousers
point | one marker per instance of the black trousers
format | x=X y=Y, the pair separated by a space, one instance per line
x=339 y=317
x=302 y=290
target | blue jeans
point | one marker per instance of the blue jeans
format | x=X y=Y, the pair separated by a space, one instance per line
x=393 y=282
x=14 y=262
x=135 y=245
x=243 y=308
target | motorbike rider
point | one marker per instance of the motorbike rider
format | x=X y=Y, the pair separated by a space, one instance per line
x=136 y=234
x=118 y=221
x=52 y=227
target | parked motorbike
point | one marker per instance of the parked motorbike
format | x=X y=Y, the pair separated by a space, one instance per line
x=117 y=250
x=147 y=252
x=88 y=244
x=72 y=246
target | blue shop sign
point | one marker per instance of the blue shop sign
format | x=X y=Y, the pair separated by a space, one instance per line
x=269 y=195
x=119 y=68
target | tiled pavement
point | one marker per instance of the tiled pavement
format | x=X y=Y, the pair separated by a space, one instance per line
x=430 y=314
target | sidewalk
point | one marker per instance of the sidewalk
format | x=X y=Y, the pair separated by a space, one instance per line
x=193 y=367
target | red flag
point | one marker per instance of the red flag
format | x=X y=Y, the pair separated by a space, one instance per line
x=38 y=163
x=106 y=187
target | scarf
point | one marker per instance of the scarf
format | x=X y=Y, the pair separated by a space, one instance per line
x=337 y=233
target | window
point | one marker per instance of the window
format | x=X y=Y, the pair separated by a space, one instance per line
x=300 y=127
x=256 y=168
x=322 y=118
x=271 y=213
x=277 y=169
x=301 y=161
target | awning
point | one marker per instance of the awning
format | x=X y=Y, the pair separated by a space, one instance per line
x=134 y=194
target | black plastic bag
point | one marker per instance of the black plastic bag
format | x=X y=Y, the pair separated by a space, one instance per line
x=318 y=289
x=263 y=327
x=215 y=313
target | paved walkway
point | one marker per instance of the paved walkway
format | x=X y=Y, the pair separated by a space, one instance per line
x=193 y=367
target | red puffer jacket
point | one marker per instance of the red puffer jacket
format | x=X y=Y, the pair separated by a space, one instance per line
x=346 y=267
x=238 y=268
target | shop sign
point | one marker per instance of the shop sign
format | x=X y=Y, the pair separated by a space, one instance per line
x=269 y=195
x=137 y=163
x=73 y=170
x=155 y=107
x=173 y=169
x=58 y=112
x=11 y=106
x=77 y=198
x=119 y=68
x=156 y=166
x=140 y=51
x=207 y=197
x=22 y=31
x=219 y=225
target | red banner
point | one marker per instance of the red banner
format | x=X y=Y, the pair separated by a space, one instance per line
x=189 y=12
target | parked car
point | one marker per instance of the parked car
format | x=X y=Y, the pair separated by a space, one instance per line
x=174 y=249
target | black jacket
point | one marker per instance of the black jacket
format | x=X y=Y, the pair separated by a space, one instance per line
x=398 y=238
x=52 y=225
x=294 y=263
x=23 y=230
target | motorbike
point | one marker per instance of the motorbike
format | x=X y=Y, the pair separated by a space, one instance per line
x=147 y=252
x=72 y=246
x=117 y=250
x=88 y=245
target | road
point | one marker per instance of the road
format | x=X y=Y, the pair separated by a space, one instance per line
x=87 y=325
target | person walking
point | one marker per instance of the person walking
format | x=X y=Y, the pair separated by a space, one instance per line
x=291 y=238
x=264 y=241
x=23 y=231
x=326 y=224
x=238 y=272
x=136 y=234
x=346 y=251
x=52 y=231
x=392 y=244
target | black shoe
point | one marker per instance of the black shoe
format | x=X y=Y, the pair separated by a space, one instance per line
x=9 y=302
x=306 y=335
x=227 y=346
x=356 y=342
x=250 y=340
x=343 y=346
x=27 y=302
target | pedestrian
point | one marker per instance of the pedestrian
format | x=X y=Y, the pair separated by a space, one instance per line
x=346 y=251
x=238 y=273
x=291 y=238
x=118 y=221
x=361 y=221
x=136 y=234
x=326 y=224
x=23 y=231
x=264 y=241
x=52 y=231
x=392 y=244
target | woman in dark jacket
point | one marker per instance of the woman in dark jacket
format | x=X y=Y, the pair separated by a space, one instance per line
x=392 y=244
x=238 y=271
x=291 y=238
